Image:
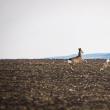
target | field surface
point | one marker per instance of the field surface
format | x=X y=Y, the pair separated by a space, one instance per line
x=53 y=85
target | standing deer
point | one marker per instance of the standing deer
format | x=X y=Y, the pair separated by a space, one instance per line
x=78 y=58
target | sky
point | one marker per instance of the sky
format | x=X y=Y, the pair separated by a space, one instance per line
x=47 y=28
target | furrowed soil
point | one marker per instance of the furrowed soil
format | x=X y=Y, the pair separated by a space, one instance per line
x=53 y=85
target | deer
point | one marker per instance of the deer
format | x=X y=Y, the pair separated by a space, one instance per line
x=77 y=59
x=105 y=65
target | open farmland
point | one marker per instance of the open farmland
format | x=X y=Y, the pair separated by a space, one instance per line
x=53 y=85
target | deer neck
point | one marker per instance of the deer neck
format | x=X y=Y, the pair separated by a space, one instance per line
x=79 y=53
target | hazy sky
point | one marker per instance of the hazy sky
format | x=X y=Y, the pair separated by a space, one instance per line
x=44 y=28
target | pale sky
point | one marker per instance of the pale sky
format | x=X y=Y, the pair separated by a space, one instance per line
x=46 y=28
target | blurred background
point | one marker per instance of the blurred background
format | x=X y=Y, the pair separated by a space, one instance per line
x=46 y=28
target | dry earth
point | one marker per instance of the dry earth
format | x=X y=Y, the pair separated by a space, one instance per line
x=53 y=85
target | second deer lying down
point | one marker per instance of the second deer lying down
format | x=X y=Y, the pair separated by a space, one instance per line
x=105 y=65
x=78 y=58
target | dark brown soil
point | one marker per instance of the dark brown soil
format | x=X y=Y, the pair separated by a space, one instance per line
x=53 y=85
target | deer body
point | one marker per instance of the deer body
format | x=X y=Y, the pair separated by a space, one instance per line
x=77 y=60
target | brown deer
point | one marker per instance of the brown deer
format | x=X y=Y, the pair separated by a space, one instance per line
x=78 y=58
